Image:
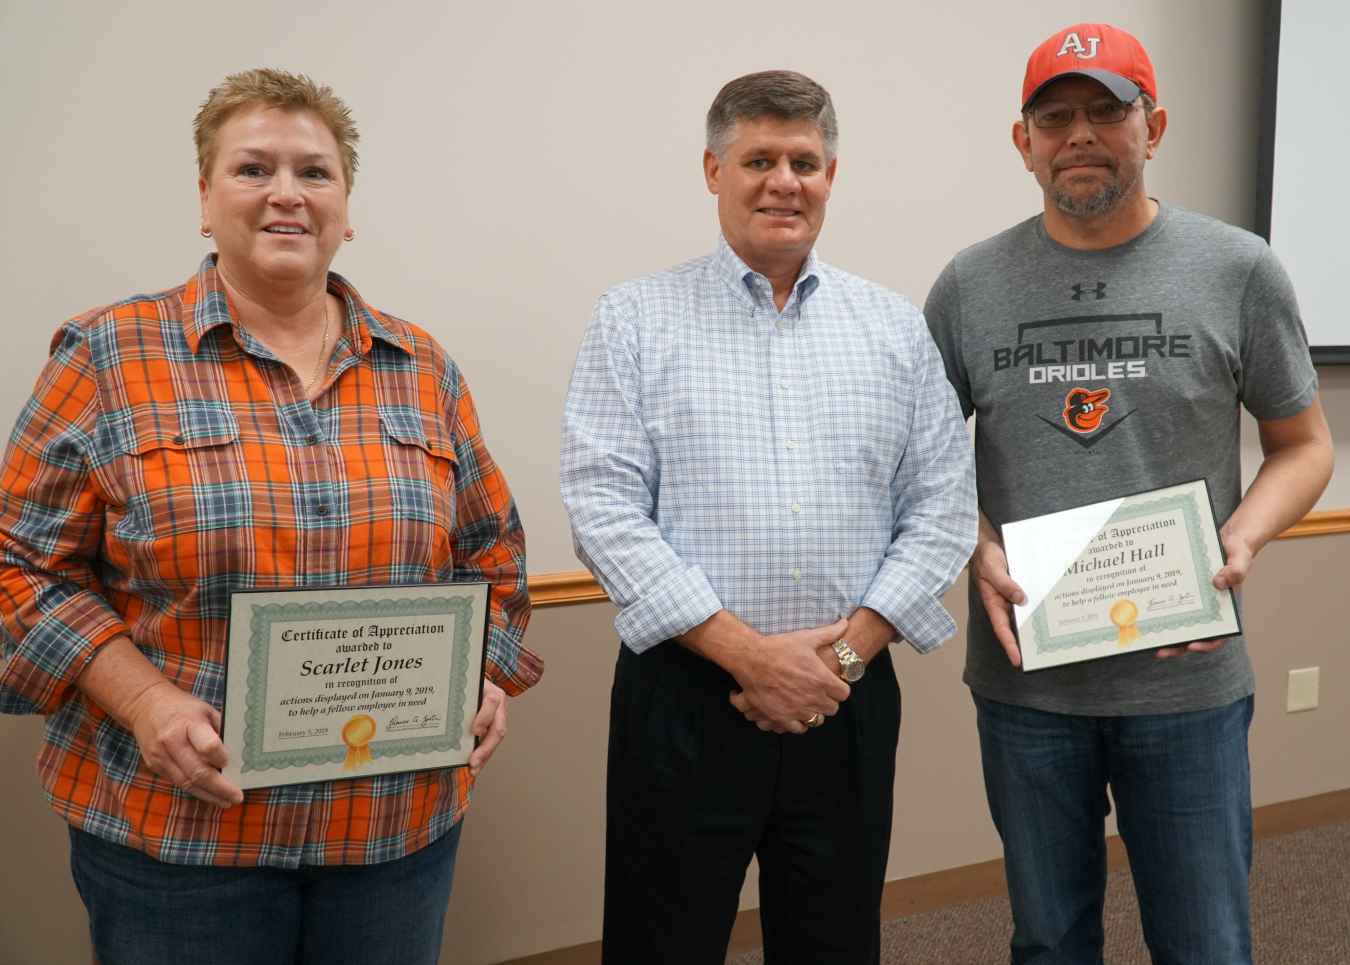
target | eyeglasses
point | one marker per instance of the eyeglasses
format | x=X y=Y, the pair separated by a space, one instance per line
x=1059 y=114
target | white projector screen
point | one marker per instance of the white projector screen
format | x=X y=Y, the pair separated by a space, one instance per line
x=1309 y=196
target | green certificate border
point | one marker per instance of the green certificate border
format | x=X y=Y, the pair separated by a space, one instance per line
x=1173 y=621
x=256 y=759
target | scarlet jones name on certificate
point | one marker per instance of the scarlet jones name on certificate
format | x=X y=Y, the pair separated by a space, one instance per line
x=351 y=665
x=334 y=683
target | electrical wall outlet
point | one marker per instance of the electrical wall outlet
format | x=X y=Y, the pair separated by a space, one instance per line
x=1302 y=690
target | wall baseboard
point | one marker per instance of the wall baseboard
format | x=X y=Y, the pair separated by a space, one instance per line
x=974 y=882
x=578 y=586
x=587 y=954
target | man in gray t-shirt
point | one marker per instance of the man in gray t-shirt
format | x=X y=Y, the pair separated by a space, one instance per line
x=1105 y=347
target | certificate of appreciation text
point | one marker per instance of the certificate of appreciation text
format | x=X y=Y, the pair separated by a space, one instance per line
x=1113 y=577
x=337 y=682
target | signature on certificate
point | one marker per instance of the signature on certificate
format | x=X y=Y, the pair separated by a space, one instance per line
x=1173 y=601
x=416 y=722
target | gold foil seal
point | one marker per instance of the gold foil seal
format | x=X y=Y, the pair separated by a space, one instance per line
x=1123 y=614
x=357 y=734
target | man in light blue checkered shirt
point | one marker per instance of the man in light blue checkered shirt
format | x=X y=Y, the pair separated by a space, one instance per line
x=767 y=470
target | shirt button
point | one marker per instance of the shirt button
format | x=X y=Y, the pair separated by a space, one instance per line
x=177 y=440
x=796 y=508
x=321 y=509
x=785 y=384
x=796 y=574
x=791 y=445
x=778 y=324
x=311 y=439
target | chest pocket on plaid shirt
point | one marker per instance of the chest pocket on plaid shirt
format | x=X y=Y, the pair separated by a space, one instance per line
x=420 y=458
x=181 y=471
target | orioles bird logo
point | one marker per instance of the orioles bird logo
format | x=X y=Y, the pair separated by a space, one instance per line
x=1083 y=410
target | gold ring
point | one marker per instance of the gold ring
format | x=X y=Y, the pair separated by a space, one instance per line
x=815 y=720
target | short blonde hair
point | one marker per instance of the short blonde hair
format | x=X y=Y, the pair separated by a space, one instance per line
x=273 y=88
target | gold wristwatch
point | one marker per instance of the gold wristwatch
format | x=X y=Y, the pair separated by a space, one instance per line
x=851 y=667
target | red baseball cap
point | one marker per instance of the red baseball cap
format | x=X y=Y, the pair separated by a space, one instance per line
x=1109 y=56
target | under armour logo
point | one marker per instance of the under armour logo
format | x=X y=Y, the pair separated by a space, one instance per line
x=1079 y=291
x=1071 y=42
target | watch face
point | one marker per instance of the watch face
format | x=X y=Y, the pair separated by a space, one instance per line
x=853 y=670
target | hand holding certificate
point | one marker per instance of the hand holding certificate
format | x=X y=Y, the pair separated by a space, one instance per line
x=349 y=682
x=1126 y=574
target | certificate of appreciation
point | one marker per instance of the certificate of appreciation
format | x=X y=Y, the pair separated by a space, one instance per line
x=334 y=682
x=1118 y=576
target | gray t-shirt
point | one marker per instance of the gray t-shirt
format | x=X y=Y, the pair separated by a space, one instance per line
x=1180 y=324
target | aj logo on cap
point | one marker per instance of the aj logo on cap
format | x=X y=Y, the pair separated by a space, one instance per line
x=1072 y=43
x=1118 y=62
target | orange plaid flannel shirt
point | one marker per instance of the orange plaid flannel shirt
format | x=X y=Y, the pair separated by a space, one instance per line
x=165 y=458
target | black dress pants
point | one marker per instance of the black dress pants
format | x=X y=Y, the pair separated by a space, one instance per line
x=695 y=789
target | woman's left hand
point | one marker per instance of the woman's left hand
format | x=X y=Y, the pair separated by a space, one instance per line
x=489 y=724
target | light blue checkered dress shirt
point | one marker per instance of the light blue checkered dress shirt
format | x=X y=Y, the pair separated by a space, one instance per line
x=789 y=466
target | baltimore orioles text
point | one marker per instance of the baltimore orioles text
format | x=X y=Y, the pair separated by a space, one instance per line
x=1083 y=359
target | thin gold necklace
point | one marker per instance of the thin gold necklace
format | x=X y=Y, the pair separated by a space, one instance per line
x=323 y=349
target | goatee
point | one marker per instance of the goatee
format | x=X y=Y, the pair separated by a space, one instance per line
x=1108 y=194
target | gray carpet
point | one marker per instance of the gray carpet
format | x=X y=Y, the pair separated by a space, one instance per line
x=1300 y=914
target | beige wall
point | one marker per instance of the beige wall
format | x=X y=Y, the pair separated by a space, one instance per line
x=518 y=160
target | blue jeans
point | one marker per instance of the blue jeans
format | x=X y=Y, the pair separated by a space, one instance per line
x=146 y=912
x=1182 y=787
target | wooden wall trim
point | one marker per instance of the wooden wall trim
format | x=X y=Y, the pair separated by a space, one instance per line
x=578 y=586
x=555 y=589
x=1320 y=522
x=974 y=882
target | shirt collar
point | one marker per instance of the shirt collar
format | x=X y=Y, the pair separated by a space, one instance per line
x=739 y=276
x=205 y=307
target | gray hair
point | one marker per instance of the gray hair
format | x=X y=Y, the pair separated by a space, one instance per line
x=784 y=94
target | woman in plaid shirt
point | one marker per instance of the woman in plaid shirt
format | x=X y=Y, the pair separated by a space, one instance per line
x=259 y=426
